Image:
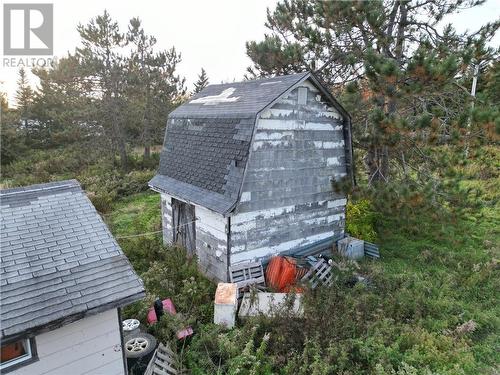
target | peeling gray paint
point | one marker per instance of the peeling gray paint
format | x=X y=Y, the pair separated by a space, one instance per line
x=287 y=200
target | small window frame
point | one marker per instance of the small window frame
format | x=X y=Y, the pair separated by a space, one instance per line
x=25 y=359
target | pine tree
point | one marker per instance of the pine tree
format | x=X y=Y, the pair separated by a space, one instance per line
x=103 y=65
x=63 y=105
x=397 y=71
x=202 y=81
x=153 y=85
x=24 y=98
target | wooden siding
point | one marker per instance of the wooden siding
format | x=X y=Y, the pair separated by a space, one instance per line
x=211 y=238
x=88 y=346
x=166 y=218
x=287 y=199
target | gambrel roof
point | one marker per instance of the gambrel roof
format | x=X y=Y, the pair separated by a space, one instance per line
x=237 y=99
x=59 y=261
x=208 y=138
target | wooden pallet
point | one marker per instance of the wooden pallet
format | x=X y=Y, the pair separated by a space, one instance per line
x=321 y=273
x=246 y=274
x=162 y=362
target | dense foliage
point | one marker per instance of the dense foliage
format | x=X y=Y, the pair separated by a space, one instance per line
x=113 y=93
x=430 y=306
x=403 y=75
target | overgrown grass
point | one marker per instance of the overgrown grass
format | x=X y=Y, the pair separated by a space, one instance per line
x=431 y=306
x=135 y=214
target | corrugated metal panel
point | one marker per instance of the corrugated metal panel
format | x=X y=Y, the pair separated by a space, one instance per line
x=371 y=250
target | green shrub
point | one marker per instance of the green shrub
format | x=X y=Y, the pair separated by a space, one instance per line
x=360 y=220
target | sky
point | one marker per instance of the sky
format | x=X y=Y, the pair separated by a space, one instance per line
x=208 y=33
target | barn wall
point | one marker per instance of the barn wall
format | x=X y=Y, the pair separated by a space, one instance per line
x=211 y=238
x=211 y=243
x=166 y=218
x=88 y=346
x=287 y=199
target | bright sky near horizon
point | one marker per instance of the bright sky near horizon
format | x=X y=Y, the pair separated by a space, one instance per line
x=208 y=33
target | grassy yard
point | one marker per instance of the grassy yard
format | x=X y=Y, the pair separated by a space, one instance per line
x=139 y=213
x=433 y=307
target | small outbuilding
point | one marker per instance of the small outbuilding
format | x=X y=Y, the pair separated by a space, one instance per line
x=64 y=279
x=246 y=170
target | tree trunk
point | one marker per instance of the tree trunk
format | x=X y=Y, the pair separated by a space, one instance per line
x=377 y=162
x=147 y=152
x=147 y=138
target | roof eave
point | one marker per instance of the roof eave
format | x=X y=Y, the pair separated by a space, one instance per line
x=58 y=323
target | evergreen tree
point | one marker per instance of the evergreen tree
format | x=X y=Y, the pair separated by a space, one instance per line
x=24 y=98
x=103 y=67
x=62 y=104
x=202 y=81
x=12 y=139
x=153 y=85
x=397 y=70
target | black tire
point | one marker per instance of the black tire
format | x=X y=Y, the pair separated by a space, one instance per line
x=139 y=344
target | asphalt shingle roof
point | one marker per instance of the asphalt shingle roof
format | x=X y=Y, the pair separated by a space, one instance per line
x=58 y=258
x=208 y=139
x=246 y=99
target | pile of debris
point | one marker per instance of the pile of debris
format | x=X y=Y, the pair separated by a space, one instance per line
x=271 y=287
x=253 y=291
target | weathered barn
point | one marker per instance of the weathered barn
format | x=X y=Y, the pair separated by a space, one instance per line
x=246 y=170
x=64 y=279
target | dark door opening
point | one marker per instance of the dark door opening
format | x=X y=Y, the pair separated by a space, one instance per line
x=183 y=218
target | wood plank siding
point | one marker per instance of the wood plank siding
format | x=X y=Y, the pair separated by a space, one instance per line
x=211 y=238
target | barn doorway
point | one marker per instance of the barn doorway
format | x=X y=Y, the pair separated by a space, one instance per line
x=184 y=225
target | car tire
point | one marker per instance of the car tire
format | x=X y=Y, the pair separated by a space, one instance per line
x=139 y=344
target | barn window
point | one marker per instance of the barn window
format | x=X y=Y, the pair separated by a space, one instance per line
x=17 y=353
x=302 y=96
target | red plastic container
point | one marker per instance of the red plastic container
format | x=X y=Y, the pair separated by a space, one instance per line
x=281 y=273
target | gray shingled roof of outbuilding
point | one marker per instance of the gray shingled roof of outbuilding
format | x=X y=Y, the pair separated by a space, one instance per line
x=253 y=96
x=58 y=259
x=207 y=144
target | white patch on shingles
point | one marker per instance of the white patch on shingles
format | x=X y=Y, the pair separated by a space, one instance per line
x=261 y=144
x=333 y=144
x=331 y=113
x=243 y=227
x=263 y=251
x=245 y=196
x=337 y=203
x=271 y=136
x=223 y=97
x=276 y=112
x=328 y=145
x=280 y=124
x=325 y=219
x=264 y=214
x=210 y=222
x=332 y=161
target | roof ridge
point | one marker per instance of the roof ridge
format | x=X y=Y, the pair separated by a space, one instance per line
x=260 y=79
x=40 y=187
